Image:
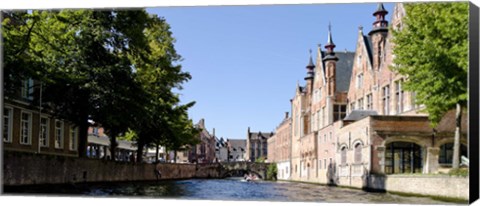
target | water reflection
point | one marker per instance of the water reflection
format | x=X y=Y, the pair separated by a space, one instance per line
x=228 y=189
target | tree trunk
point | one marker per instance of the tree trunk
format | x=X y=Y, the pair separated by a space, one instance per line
x=456 y=143
x=156 y=152
x=113 y=143
x=83 y=137
x=140 y=151
x=175 y=156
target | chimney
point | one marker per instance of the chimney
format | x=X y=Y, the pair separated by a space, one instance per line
x=213 y=132
x=286 y=115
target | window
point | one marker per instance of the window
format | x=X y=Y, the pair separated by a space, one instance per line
x=330 y=136
x=44 y=125
x=358 y=153
x=325 y=138
x=360 y=103
x=26 y=128
x=360 y=80
x=27 y=89
x=95 y=131
x=73 y=137
x=399 y=96
x=339 y=112
x=7 y=124
x=323 y=119
x=330 y=163
x=403 y=157
x=58 y=134
x=369 y=102
x=413 y=100
x=344 y=155
x=446 y=153
x=325 y=163
x=352 y=106
x=386 y=100
x=359 y=59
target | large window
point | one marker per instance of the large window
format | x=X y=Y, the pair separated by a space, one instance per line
x=386 y=100
x=7 y=124
x=27 y=89
x=44 y=131
x=343 y=156
x=369 y=102
x=26 y=128
x=446 y=153
x=403 y=157
x=339 y=112
x=73 y=137
x=399 y=96
x=360 y=80
x=358 y=153
x=58 y=134
x=360 y=103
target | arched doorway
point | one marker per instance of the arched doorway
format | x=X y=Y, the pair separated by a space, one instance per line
x=403 y=157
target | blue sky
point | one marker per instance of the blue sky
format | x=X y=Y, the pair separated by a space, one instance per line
x=245 y=61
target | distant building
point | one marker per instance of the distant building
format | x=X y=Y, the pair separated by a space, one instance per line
x=257 y=145
x=221 y=150
x=236 y=149
x=279 y=147
x=98 y=146
x=204 y=152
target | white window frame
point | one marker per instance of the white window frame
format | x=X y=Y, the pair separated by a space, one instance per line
x=369 y=102
x=27 y=89
x=29 y=134
x=73 y=137
x=360 y=80
x=47 y=132
x=9 y=124
x=360 y=103
x=61 y=138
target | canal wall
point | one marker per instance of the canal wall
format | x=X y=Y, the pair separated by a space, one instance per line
x=431 y=185
x=29 y=169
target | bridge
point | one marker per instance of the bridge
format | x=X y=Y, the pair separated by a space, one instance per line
x=232 y=169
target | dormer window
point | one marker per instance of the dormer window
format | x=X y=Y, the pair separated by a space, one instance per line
x=27 y=89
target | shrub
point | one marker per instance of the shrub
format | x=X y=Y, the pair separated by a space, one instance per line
x=462 y=172
x=272 y=172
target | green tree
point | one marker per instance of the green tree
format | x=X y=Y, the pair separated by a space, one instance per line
x=432 y=51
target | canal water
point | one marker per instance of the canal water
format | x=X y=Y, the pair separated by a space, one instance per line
x=225 y=189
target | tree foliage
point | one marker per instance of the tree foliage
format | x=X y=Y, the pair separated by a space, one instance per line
x=432 y=51
x=115 y=67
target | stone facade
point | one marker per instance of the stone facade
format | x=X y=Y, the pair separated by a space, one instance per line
x=257 y=145
x=353 y=119
x=236 y=149
x=280 y=146
x=204 y=152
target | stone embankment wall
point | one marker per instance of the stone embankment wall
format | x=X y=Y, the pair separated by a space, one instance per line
x=432 y=185
x=26 y=169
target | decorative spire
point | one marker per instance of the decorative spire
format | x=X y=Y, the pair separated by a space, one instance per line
x=310 y=67
x=310 y=63
x=380 y=9
x=330 y=41
x=330 y=46
x=380 y=24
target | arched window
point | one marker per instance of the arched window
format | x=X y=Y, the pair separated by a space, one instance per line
x=344 y=155
x=358 y=153
x=446 y=153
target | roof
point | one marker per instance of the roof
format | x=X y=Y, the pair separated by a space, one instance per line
x=344 y=70
x=380 y=9
x=368 y=44
x=359 y=114
x=262 y=135
x=238 y=143
x=104 y=140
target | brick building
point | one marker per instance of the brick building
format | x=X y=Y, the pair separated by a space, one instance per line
x=257 y=145
x=353 y=118
x=27 y=127
x=280 y=146
x=204 y=152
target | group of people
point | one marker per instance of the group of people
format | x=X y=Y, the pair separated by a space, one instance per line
x=250 y=177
